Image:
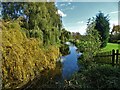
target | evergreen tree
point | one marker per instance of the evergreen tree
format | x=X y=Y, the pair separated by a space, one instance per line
x=102 y=25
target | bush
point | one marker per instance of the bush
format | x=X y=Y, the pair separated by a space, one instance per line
x=89 y=45
x=23 y=58
x=98 y=77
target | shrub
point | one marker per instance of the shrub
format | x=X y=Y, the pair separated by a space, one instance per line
x=89 y=45
x=23 y=58
x=98 y=77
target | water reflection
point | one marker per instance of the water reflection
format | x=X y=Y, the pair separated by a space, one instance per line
x=69 y=62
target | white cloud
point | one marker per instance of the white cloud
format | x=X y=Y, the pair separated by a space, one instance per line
x=114 y=12
x=62 y=4
x=65 y=4
x=69 y=3
x=61 y=13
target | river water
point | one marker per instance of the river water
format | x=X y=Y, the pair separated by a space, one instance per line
x=69 y=62
x=69 y=67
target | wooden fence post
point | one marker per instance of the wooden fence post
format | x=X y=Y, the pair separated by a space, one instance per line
x=117 y=52
x=113 y=57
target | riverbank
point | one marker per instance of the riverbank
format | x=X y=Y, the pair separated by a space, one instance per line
x=24 y=58
x=59 y=77
x=110 y=47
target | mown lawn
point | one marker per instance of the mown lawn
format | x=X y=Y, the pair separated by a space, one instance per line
x=111 y=46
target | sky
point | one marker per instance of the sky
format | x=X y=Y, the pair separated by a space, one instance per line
x=76 y=14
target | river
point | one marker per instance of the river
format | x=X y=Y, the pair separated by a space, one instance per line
x=69 y=62
x=69 y=67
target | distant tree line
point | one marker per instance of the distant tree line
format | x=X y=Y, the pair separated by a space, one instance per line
x=115 y=34
x=99 y=23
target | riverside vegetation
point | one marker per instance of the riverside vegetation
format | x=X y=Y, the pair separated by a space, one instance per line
x=92 y=74
x=32 y=41
x=23 y=58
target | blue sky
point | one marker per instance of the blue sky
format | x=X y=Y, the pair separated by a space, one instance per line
x=75 y=14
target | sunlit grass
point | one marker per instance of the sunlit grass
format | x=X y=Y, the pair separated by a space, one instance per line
x=110 y=47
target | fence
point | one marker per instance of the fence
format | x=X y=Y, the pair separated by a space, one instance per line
x=112 y=57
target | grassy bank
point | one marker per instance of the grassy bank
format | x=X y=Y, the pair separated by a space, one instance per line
x=110 y=47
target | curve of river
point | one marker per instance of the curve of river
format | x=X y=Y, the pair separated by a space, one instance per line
x=69 y=62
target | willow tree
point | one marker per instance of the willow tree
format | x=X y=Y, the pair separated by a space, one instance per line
x=12 y=10
x=44 y=16
x=40 y=20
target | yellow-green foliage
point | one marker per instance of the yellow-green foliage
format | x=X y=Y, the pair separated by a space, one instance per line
x=23 y=58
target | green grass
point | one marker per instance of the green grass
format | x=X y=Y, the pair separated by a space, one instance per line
x=111 y=46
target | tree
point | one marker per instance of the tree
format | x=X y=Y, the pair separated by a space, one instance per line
x=115 y=34
x=91 y=41
x=116 y=29
x=76 y=35
x=12 y=10
x=40 y=20
x=44 y=16
x=89 y=45
x=102 y=25
x=65 y=35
